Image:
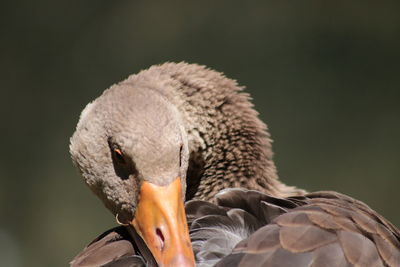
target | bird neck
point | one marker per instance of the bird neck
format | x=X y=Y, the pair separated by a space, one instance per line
x=229 y=145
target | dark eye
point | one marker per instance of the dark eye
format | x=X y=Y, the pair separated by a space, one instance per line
x=119 y=156
x=123 y=164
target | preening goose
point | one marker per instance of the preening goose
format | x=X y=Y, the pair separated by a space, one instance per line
x=182 y=131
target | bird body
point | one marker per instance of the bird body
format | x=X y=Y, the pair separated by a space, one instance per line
x=187 y=125
x=317 y=229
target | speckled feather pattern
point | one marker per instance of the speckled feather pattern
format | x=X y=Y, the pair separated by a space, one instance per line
x=222 y=127
x=228 y=144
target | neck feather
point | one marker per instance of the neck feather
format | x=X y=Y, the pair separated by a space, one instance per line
x=229 y=145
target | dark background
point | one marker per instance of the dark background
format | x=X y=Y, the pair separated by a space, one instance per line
x=324 y=76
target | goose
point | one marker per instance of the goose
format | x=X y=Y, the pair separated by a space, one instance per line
x=181 y=132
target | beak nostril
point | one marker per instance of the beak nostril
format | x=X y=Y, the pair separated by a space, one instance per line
x=160 y=237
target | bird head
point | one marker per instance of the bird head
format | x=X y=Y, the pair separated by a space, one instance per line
x=131 y=148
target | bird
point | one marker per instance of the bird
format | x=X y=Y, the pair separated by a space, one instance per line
x=179 y=156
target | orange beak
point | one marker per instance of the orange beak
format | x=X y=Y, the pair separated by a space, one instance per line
x=160 y=220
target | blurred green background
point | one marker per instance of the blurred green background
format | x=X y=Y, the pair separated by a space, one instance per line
x=324 y=76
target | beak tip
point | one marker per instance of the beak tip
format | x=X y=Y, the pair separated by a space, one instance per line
x=160 y=220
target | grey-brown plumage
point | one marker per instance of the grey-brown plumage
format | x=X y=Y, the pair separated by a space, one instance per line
x=115 y=243
x=248 y=228
x=185 y=120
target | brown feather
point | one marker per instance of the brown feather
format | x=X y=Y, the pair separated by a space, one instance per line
x=318 y=231
x=111 y=246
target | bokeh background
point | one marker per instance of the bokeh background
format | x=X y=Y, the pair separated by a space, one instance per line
x=324 y=76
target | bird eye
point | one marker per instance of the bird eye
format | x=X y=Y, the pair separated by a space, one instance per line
x=122 y=163
x=119 y=156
